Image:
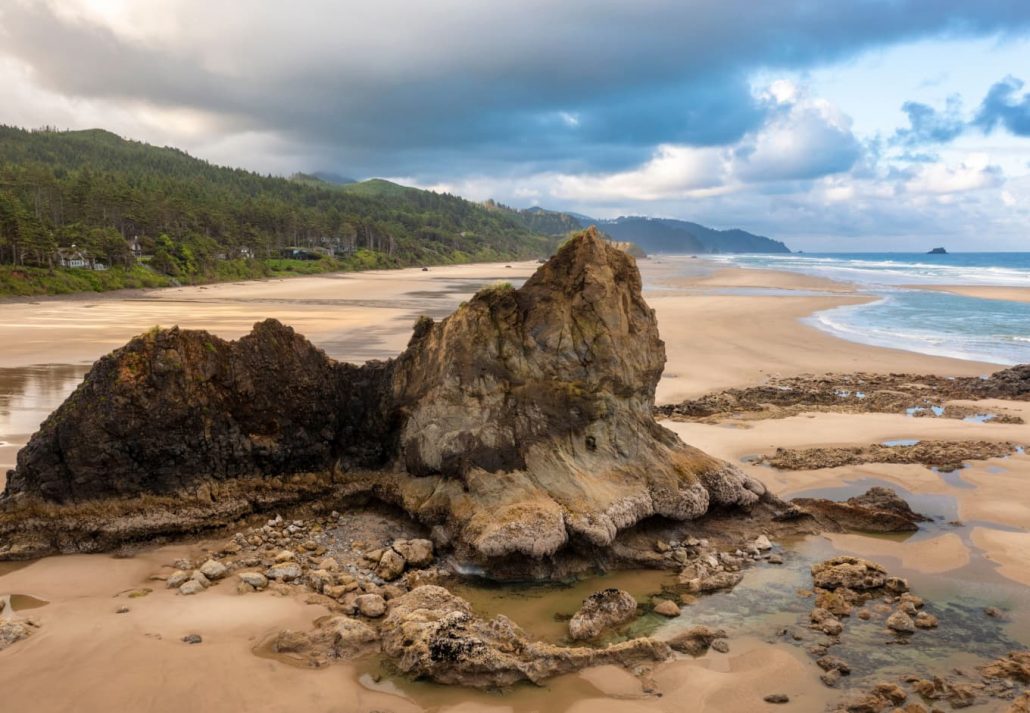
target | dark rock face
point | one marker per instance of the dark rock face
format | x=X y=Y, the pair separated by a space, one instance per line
x=175 y=408
x=517 y=425
x=876 y=510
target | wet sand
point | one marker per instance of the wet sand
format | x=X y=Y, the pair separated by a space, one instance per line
x=722 y=327
x=986 y=292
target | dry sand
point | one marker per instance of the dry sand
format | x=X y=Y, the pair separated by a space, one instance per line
x=720 y=330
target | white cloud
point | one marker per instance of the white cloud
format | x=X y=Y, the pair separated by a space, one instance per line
x=974 y=173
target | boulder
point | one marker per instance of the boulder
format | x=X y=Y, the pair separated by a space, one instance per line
x=433 y=634
x=602 y=610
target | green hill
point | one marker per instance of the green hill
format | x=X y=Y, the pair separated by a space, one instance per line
x=197 y=222
x=538 y=220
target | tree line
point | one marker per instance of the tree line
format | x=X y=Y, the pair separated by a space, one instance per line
x=98 y=192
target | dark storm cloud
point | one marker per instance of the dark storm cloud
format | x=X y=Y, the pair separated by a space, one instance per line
x=445 y=88
x=1002 y=107
x=929 y=126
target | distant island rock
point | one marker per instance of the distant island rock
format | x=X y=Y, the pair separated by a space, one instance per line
x=938 y=251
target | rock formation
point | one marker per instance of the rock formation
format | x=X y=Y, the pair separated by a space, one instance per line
x=431 y=633
x=517 y=426
x=876 y=510
x=922 y=395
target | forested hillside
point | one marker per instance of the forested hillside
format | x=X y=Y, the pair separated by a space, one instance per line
x=153 y=213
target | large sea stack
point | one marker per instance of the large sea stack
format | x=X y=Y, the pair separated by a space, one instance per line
x=515 y=427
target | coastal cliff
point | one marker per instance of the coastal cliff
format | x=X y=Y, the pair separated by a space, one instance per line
x=520 y=424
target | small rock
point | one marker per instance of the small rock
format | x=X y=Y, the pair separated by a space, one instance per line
x=193 y=638
x=417 y=553
x=695 y=640
x=212 y=569
x=391 y=565
x=762 y=543
x=993 y=612
x=290 y=642
x=287 y=571
x=925 y=620
x=200 y=579
x=329 y=564
x=351 y=637
x=601 y=610
x=901 y=622
x=176 y=579
x=721 y=645
x=190 y=587
x=667 y=608
x=371 y=605
x=834 y=663
x=775 y=558
x=777 y=698
x=254 y=579
x=285 y=556
x=830 y=678
x=121 y=610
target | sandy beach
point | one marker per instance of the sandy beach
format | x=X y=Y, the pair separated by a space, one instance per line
x=722 y=328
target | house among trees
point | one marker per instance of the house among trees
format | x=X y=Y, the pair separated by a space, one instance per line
x=74 y=258
x=135 y=247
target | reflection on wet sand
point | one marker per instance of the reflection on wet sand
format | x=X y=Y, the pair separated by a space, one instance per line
x=27 y=396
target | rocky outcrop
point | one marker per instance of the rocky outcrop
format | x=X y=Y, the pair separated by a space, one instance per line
x=433 y=634
x=520 y=425
x=945 y=456
x=876 y=510
x=923 y=395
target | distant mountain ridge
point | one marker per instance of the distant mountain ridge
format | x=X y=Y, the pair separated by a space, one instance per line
x=652 y=235
x=668 y=235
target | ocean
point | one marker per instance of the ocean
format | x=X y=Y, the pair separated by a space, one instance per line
x=905 y=317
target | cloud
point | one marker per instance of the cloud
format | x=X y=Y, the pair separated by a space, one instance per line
x=803 y=138
x=461 y=86
x=974 y=173
x=809 y=139
x=1002 y=107
x=929 y=126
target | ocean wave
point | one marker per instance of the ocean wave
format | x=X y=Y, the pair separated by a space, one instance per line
x=875 y=325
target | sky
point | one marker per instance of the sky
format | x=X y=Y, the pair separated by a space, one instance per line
x=865 y=125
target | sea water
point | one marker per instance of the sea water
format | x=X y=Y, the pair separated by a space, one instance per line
x=905 y=317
